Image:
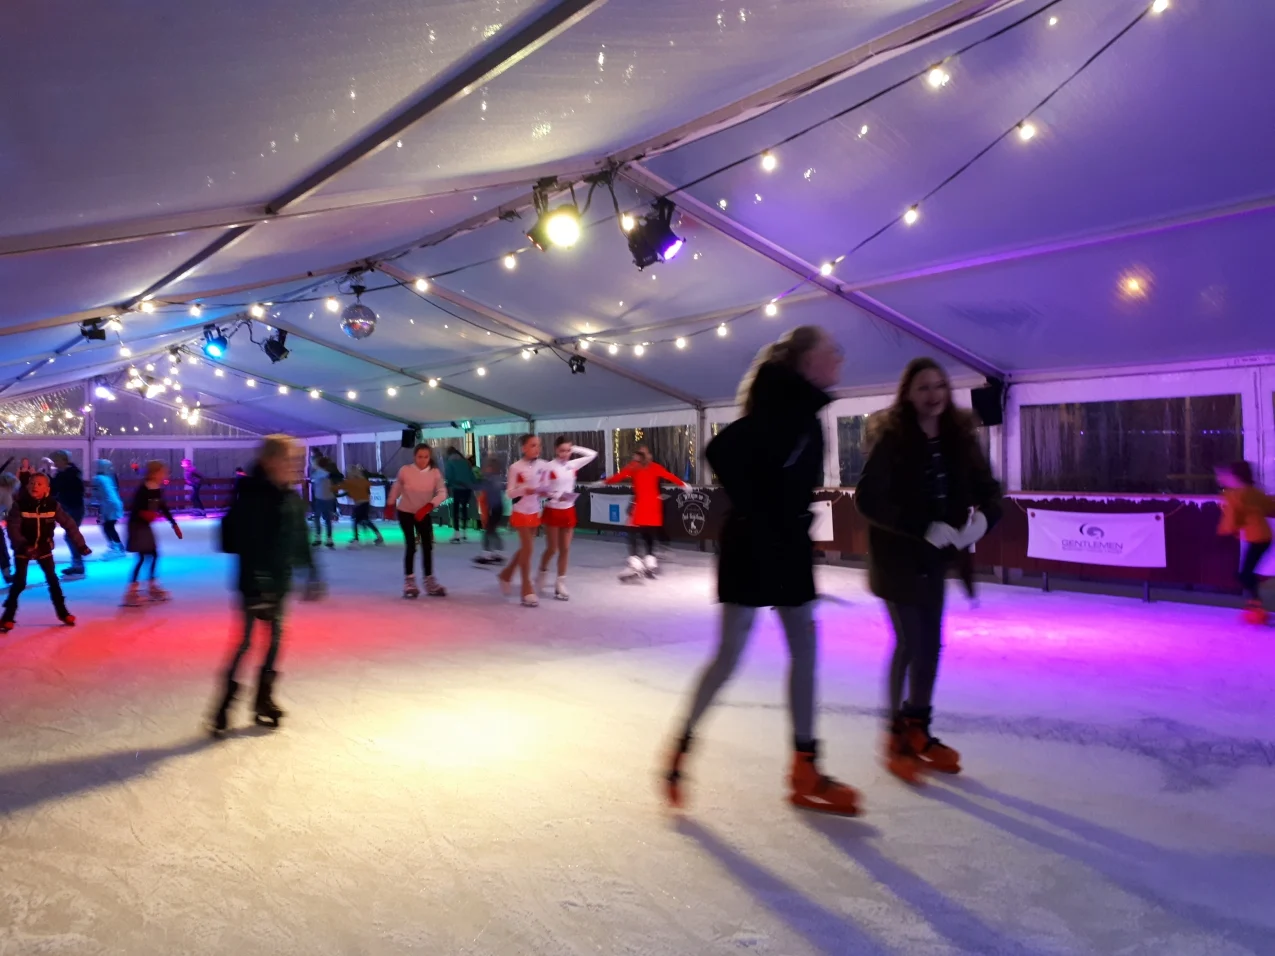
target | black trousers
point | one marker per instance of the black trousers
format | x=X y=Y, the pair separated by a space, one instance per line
x=647 y=537
x=141 y=559
x=20 y=582
x=196 y=502
x=272 y=650
x=112 y=535
x=918 y=641
x=363 y=519
x=461 y=497
x=1253 y=555
x=412 y=529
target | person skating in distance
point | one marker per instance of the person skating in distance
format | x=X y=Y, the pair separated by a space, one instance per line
x=416 y=492
x=769 y=462
x=647 y=516
x=32 y=519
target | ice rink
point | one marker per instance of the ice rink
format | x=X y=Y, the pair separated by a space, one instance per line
x=465 y=776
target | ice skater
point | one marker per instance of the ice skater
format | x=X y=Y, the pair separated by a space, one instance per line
x=195 y=482
x=459 y=474
x=324 y=477
x=559 y=516
x=491 y=504
x=266 y=528
x=647 y=515
x=68 y=488
x=769 y=462
x=526 y=490
x=148 y=504
x=9 y=489
x=417 y=491
x=110 y=507
x=927 y=493
x=359 y=488
x=31 y=522
x=1245 y=509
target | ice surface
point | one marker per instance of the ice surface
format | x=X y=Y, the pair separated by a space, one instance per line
x=465 y=776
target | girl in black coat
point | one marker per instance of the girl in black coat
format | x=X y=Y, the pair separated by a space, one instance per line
x=769 y=463
x=928 y=494
x=148 y=504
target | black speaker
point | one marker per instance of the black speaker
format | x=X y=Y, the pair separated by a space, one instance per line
x=989 y=402
x=409 y=438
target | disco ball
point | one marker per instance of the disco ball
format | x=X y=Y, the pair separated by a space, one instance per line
x=358 y=321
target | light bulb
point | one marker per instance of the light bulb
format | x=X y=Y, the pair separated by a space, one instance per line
x=219 y=373
x=114 y=325
x=1159 y=6
x=351 y=394
x=433 y=383
x=772 y=309
x=511 y=261
x=825 y=269
x=168 y=381
x=769 y=162
x=639 y=350
x=251 y=383
x=481 y=371
x=526 y=353
x=1053 y=21
x=283 y=390
x=332 y=304
x=196 y=310
x=613 y=349
x=1026 y=131
x=177 y=386
x=391 y=391
x=583 y=345
x=937 y=78
x=627 y=223
x=722 y=331
x=912 y=215
x=256 y=311
x=125 y=350
x=150 y=366
x=315 y=393
x=421 y=285
x=148 y=306
x=863 y=130
x=680 y=343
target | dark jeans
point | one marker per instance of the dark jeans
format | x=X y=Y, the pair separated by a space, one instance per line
x=363 y=519
x=112 y=535
x=323 y=508
x=461 y=497
x=647 y=536
x=141 y=559
x=412 y=529
x=918 y=641
x=4 y=551
x=196 y=502
x=20 y=582
x=1253 y=555
x=272 y=652
x=965 y=567
x=491 y=533
x=77 y=559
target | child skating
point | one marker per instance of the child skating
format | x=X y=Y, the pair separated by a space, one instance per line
x=526 y=489
x=560 y=511
x=417 y=491
x=266 y=528
x=491 y=504
x=647 y=516
x=148 y=505
x=32 y=519
x=359 y=490
x=110 y=507
x=1245 y=508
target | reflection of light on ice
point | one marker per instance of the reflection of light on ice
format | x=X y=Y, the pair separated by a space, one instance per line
x=463 y=736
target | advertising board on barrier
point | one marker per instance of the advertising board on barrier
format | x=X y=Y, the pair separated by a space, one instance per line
x=610 y=509
x=1116 y=540
x=693 y=506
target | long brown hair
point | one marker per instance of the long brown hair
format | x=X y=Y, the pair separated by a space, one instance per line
x=788 y=352
x=900 y=418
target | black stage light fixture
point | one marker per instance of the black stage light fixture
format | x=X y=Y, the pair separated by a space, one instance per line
x=652 y=239
x=554 y=227
x=275 y=348
x=93 y=331
x=577 y=364
x=215 y=342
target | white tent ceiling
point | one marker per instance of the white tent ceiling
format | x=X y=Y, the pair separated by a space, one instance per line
x=260 y=164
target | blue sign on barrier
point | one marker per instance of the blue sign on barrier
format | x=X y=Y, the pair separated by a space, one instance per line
x=614 y=514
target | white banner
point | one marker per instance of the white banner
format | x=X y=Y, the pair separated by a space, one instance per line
x=821 y=526
x=377 y=499
x=609 y=509
x=1117 y=540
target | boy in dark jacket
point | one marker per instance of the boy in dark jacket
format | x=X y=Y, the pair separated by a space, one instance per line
x=31 y=523
x=68 y=490
x=266 y=528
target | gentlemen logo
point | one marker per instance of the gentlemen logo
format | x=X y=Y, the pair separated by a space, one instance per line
x=693 y=506
x=1092 y=540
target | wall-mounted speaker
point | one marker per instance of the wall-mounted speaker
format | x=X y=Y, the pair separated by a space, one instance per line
x=409 y=438
x=989 y=402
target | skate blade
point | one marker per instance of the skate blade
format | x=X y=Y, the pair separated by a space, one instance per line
x=561 y=597
x=805 y=803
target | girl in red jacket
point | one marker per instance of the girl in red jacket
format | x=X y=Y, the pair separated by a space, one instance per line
x=648 y=508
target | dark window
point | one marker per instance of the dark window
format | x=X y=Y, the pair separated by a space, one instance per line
x=360 y=453
x=594 y=440
x=673 y=446
x=1144 y=446
x=852 y=448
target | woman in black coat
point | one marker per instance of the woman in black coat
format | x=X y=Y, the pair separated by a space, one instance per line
x=928 y=494
x=769 y=463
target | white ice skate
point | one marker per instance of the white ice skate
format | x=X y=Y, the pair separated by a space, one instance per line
x=651 y=566
x=540 y=580
x=560 y=590
x=530 y=600
x=635 y=572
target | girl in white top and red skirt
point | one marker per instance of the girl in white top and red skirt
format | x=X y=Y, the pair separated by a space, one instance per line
x=560 y=511
x=526 y=489
x=417 y=491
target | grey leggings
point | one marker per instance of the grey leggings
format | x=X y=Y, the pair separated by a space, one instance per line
x=918 y=641
x=737 y=624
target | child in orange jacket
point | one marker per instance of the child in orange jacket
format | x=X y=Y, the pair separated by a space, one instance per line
x=648 y=508
x=1245 y=508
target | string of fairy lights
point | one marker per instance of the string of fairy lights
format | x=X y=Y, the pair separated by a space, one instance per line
x=651 y=239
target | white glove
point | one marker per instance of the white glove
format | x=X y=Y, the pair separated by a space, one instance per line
x=973 y=531
x=940 y=534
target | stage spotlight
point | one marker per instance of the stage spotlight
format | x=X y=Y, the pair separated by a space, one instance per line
x=275 y=348
x=652 y=239
x=215 y=342
x=93 y=331
x=554 y=227
x=577 y=364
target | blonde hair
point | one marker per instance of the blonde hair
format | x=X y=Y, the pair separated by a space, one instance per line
x=275 y=446
x=789 y=351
